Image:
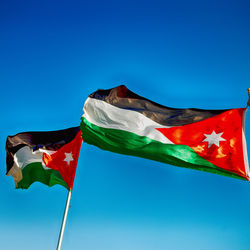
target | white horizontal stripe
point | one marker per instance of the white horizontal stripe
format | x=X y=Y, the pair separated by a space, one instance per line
x=25 y=156
x=105 y=115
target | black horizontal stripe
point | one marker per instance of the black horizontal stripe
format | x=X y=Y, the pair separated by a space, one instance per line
x=122 y=97
x=52 y=140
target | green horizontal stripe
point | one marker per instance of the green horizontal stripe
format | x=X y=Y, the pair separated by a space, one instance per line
x=127 y=143
x=35 y=172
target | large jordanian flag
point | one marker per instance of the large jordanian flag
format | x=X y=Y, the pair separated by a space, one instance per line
x=121 y=121
x=47 y=157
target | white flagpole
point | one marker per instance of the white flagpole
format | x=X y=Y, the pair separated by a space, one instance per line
x=59 y=244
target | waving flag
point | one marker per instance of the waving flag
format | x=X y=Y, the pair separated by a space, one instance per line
x=121 y=121
x=47 y=157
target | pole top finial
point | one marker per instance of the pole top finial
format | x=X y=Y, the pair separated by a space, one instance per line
x=248 y=102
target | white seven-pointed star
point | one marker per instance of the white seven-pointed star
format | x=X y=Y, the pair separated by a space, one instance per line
x=68 y=157
x=214 y=138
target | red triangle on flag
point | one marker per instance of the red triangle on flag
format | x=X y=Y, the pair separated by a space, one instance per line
x=217 y=139
x=65 y=159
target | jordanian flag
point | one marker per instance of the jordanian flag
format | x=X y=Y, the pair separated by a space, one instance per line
x=121 y=121
x=47 y=157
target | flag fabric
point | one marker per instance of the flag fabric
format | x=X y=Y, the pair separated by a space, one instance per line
x=121 y=121
x=48 y=157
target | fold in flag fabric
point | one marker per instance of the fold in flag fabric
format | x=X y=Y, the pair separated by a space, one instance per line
x=121 y=121
x=47 y=157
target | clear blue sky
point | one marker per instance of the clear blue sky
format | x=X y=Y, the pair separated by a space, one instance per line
x=181 y=54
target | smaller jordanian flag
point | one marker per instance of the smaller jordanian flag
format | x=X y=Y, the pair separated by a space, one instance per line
x=121 y=121
x=47 y=157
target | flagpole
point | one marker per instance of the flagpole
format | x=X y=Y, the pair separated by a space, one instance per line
x=59 y=244
x=248 y=102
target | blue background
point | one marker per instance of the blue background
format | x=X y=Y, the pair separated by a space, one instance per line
x=181 y=54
